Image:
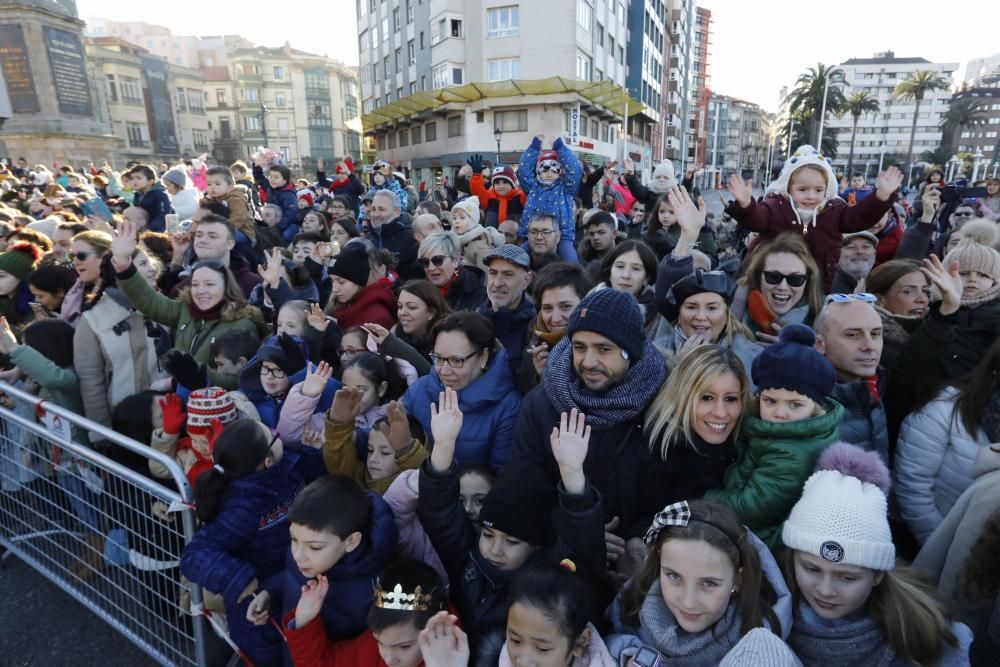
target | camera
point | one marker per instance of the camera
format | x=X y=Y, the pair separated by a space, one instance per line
x=952 y=192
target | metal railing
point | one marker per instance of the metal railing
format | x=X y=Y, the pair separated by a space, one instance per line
x=99 y=526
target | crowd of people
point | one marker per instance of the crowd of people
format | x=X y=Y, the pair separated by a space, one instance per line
x=551 y=414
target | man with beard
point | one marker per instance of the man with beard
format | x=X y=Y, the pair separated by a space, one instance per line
x=857 y=258
x=606 y=369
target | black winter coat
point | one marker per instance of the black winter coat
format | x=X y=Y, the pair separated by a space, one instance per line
x=469 y=290
x=512 y=328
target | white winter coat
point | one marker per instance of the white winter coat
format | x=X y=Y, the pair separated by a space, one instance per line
x=934 y=459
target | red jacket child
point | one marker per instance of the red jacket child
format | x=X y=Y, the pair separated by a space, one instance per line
x=503 y=201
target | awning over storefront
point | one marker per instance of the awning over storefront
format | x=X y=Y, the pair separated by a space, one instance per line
x=605 y=93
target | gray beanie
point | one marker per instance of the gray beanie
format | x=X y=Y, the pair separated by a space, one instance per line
x=760 y=648
x=177 y=177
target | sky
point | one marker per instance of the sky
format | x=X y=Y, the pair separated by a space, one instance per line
x=757 y=47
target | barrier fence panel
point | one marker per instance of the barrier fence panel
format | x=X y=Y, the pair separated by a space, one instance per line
x=98 y=526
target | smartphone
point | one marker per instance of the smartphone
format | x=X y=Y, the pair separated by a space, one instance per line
x=173 y=220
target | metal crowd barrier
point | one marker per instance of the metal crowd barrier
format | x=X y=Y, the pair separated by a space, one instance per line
x=104 y=532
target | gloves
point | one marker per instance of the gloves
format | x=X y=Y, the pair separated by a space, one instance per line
x=294 y=357
x=476 y=162
x=173 y=414
x=183 y=368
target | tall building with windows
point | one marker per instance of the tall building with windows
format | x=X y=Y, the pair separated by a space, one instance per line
x=646 y=78
x=982 y=139
x=737 y=136
x=472 y=75
x=700 y=91
x=678 y=132
x=888 y=132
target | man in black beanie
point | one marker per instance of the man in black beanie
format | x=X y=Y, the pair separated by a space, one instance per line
x=605 y=368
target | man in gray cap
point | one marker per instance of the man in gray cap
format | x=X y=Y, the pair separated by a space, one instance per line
x=857 y=258
x=508 y=274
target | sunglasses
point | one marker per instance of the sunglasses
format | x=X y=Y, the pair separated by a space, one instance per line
x=80 y=256
x=793 y=279
x=436 y=260
x=964 y=214
x=864 y=297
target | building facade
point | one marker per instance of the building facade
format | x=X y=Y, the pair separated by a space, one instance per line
x=699 y=86
x=646 y=59
x=413 y=53
x=888 y=132
x=737 y=139
x=982 y=140
x=678 y=132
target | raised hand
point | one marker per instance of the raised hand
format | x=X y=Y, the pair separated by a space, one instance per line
x=346 y=405
x=629 y=166
x=690 y=217
x=888 y=181
x=465 y=171
x=475 y=162
x=320 y=164
x=397 y=431
x=312 y=438
x=931 y=200
x=258 y=611
x=539 y=355
x=272 y=272
x=316 y=379
x=947 y=281
x=316 y=318
x=173 y=414
x=446 y=424
x=741 y=190
x=377 y=332
x=570 y=442
x=125 y=241
x=311 y=600
x=7 y=339
x=443 y=643
x=690 y=344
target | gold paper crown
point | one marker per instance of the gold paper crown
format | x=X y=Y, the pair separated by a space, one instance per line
x=400 y=601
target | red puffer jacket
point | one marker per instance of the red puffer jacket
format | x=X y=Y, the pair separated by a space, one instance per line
x=374 y=303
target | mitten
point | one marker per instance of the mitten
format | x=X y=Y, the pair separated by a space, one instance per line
x=183 y=368
x=295 y=359
x=476 y=162
x=173 y=414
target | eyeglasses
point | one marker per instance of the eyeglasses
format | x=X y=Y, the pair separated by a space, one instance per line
x=350 y=351
x=540 y=232
x=793 y=279
x=273 y=372
x=548 y=165
x=864 y=297
x=964 y=214
x=80 y=256
x=436 y=260
x=454 y=362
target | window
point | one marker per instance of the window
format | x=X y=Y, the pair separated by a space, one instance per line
x=395 y=20
x=506 y=68
x=421 y=39
x=200 y=138
x=413 y=87
x=392 y=139
x=196 y=100
x=457 y=74
x=385 y=66
x=112 y=88
x=320 y=115
x=404 y=138
x=251 y=95
x=282 y=126
x=409 y=11
x=399 y=60
x=511 y=121
x=220 y=97
x=138 y=134
x=251 y=123
x=279 y=73
x=455 y=124
x=423 y=82
x=415 y=133
x=411 y=52
x=583 y=67
x=599 y=35
x=131 y=90
x=286 y=152
x=399 y=93
x=385 y=30
x=180 y=98
x=225 y=131
x=279 y=99
x=249 y=69
x=431 y=131
x=584 y=14
x=439 y=76
x=456 y=28
x=611 y=46
x=503 y=22
x=595 y=131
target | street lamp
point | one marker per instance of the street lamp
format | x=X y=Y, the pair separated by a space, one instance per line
x=952 y=167
x=497 y=134
x=822 y=113
x=977 y=158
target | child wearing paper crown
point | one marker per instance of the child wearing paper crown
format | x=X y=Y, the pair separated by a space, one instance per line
x=852 y=605
x=407 y=595
x=804 y=197
x=795 y=422
x=551 y=179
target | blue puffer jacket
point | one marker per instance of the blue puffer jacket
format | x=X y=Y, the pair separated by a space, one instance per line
x=352 y=578
x=286 y=198
x=556 y=197
x=156 y=203
x=249 y=536
x=489 y=405
x=392 y=184
x=268 y=406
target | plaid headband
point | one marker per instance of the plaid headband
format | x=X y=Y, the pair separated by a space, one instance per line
x=679 y=514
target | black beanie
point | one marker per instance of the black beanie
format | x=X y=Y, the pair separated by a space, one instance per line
x=520 y=504
x=352 y=264
x=794 y=364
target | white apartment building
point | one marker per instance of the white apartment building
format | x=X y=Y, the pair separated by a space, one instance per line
x=889 y=131
x=979 y=68
x=418 y=60
x=737 y=141
x=678 y=134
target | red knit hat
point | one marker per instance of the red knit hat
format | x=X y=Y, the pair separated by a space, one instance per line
x=306 y=195
x=548 y=155
x=203 y=405
x=505 y=173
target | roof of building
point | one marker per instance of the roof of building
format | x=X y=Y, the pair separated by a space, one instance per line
x=886 y=61
x=606 y=93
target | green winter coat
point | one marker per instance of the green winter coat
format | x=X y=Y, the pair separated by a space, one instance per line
x=774 y=460
x=58 y=385
x=191 y=335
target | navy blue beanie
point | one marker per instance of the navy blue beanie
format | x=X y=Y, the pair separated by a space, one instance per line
x=793 y=364
x=613 y=314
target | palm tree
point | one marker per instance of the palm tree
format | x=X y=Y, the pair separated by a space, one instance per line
x=914 y=88
x=963 y=112
x=858 y=104
x=806 y=100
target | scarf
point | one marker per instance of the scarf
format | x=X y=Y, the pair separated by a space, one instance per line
x=845 y=642
x=978 y=300
x=447 y=286
x=896 y=328
x=213 y=313
x=620 y=404
x=679 y=647
x=991 y=416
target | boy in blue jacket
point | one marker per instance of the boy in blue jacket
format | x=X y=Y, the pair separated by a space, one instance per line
x=279 y=190
x=551 y=179
x=344 y=533
x=151 y=197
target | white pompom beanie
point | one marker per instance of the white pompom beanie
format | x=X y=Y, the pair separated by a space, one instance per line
x=804 y=155
x=841 y=518
x=470 y=206
x=665 y=168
